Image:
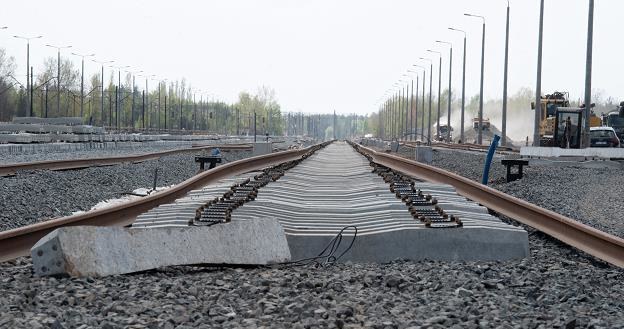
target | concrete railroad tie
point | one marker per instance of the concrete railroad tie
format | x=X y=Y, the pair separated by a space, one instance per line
x=335 y=188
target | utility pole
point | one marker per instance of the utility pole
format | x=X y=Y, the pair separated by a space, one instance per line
x=334 y=124
x=450 y=99
x=439 y=91
x=82 y=81
x=504 y=124
x=29 y=81
x=538 y=86
x=463 y=104
x=480 y=131
x=588 y=71
x=58 y=76
x=102 y=89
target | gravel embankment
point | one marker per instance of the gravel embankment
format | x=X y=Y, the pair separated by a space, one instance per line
x=39 y=195
x=8 y=159
x=589 y=195
x=556 y=287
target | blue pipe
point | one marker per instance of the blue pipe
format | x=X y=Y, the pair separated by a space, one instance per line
x=488 y=159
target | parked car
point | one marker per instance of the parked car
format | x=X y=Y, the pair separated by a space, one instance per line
x=603 y=137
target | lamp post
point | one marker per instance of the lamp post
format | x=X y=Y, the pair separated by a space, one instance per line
x=480 y=130
x=430 y=95
x=463 y=105
x=504 y=124
x=28 y=82
x=588 y=71
x=58 y=78
x=538 y=85
x=448 y=118
x=439 y=90
x=82 y=80
x=145 y=99
x=422 y=117
x=117 y=92
x=414 y=119
x=132 y=75
x=102 y=89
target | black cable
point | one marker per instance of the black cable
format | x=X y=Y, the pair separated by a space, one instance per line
x=329 y=258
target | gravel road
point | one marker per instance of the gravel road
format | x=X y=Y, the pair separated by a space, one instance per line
x=33 y=196
x=556 y=287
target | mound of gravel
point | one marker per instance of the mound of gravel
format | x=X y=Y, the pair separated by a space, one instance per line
x=35 y=196
x=556 y=287
x=7 y=159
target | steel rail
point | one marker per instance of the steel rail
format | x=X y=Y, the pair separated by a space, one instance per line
x=588 y=239
x=11 y=169
x=465 y=146
x=17 y=242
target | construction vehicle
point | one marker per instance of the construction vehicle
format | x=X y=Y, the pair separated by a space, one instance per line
x=444 y=131
x=561 y=125
x=615 y=120
x=485 y=123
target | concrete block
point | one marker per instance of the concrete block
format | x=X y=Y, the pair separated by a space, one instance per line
x=592 y=152
x=394 y=146
x=261 y=148
x=100 y=251
x=461 y=244
x=423 y=154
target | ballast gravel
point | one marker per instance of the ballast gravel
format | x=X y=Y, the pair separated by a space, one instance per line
x=33 y=196
x=135 y=149
x=556 y=287
x=589 y=194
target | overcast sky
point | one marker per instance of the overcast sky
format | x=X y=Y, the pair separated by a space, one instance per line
x=324 y=54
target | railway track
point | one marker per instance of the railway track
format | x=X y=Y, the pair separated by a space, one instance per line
x=417 y=213
x=12 y=169
x=466 y=147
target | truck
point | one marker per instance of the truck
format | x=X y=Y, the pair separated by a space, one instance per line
x=444 y=130
x=485 y=123
x=615 y=120
x=561 y=125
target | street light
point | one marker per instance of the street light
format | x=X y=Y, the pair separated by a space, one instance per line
x=132 y=75
x=588 y=71
x=463 y=105
x=422 y=117
x=102 y=83
x=480 y=130
x=538 y=85
x=448 y=119
x=82 y=80
x=58 y=78
x=414 y=119
x=439 y=90
x=145 y=99
x=154 y=78
x=430 y=95
x=117 y=91
x=504 y=124
x=28 y=82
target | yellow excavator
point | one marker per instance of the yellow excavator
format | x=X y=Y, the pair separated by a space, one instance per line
x=560 y=124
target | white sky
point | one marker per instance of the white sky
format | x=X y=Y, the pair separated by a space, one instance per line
x=322 y=55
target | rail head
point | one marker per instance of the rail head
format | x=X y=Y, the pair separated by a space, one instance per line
x=597 y=243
